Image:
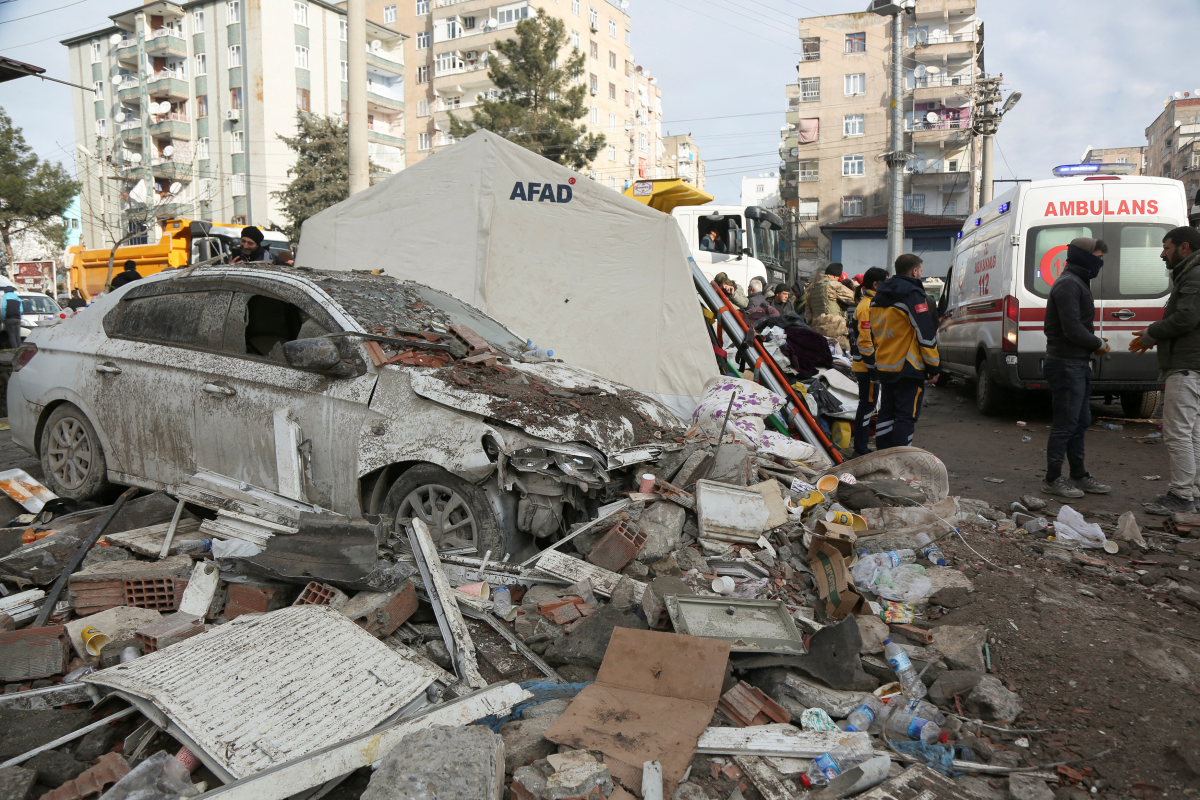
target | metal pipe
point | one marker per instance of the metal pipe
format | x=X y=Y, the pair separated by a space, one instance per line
x=356 y=91
x=896 y=158
x=56 y=589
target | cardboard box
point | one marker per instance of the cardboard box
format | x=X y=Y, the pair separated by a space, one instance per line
x=834 y=584
x=842 y=537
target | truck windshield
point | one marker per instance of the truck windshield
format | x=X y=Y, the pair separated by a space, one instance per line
x=38 y=304
x=765 y=242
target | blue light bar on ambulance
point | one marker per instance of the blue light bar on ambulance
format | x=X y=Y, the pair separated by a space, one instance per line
x=977 y=221
x=958 y=235
x=1067 y=170
x=1003 y=209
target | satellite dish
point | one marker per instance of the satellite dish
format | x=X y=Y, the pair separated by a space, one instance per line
x=162 y=108
x=919 y=166
x=116 y=80
x=933 y=70
x=922 y=37
x=920 y=70
x=169 y=151
x=114 y=39
x=175 y=187
x=624 y=4
x=135 y=158
x=376 y=44
x=1178 y=122
x=1179 y=95
x=1187 y=94
x=931 y=117
x=119 y=117
x=490 y=24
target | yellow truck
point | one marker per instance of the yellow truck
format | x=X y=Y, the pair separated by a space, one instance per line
x=183 y=242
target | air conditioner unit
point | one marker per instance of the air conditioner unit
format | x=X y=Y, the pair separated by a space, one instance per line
x=594 y=91
x=233 y=114
x=472 y=55
x=594 y=25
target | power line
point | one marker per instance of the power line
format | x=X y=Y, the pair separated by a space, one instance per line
x=47 y=11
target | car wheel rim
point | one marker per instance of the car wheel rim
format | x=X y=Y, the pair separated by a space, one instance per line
x=444 y=512
x=70 y=453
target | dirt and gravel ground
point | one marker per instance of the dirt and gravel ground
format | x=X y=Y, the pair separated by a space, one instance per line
x=1106 y=662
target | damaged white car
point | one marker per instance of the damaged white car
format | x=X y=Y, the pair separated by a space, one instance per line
x=350 y=391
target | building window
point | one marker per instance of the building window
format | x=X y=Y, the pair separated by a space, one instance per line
x=301 y=57
x=853 y=166
x=454 y=102
x=102 y=128
x=612 y=182
x=612 y=90
x=612 y=122
x=389 y=14
x=643 y=145
x=198 y=20
x=951 y=207
x=233 y=12
x=345 y=71
x=98 y=89
x=593 y=82
x=592 y=174
x=469 y=23
x=235 y=97
x=95 y=52
x=452 y=30
x=423 y=107
x=914 y=203
x=512 y=15
x=302 y=100
x=594 y=115
x=852 y=125
x=237 y=184
x=612 y=60
x=593 y=19
x=811 y=49
x=952 y=165
x=810 y=90
x=300 y=13
x=574 y=6
x=235 y=55
x=1122 y=160
x=201 y=64
x=423 y=142
x=202 y=148
x=239 y=142
x=856 y=84
x=856 y=42
x=444 y=63
x=595 y=50
x=628 y=97
x=422 y=74
x=852 y=206
x=206 y=190
x=422 y=40
x=612 y=152
x=342 y=24
x=202 y=105
x=423 y=8
x=575 y=39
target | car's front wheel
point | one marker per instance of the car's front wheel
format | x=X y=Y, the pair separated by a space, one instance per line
x=72 y=457
x=456 y=511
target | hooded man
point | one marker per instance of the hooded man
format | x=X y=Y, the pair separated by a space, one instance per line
x=128 y=275
x=1070 y=344
x=251 y=247
x=902 y=352
x=1179 y=368
x=860 y=337
x=826 y=294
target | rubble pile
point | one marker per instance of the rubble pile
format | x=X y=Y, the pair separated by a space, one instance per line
x=737 y=623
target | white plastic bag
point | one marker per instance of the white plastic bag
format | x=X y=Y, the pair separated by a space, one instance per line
x=1071 y=525
x=234 y=548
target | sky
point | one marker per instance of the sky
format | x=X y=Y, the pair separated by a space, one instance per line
x=1091 y=72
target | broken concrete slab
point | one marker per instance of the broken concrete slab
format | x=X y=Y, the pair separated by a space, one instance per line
x=954 y=682
x=779 y=682
x=667 y=514
x=659 y=540
x=873 y=631
x=566 y=776
x=948 y=578
x=96 y=743
x=120 y=624
x=1029 y=787
x=991 y=701
x=961 y=646
x=22 y=731
x=33 y=653
x=524 y=739
x=54 y=768
x=441 y=762
x=588 y=643
x=16 y=783
x=689 y=558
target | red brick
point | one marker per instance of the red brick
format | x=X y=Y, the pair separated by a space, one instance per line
x=92 y=597
x=159 y=594
x=320 y=594
x=108 y=770
x=561 y=614
x=747 y=705
x=383 y=620
x=167 y=631
x=253 y=597
x=33 y=653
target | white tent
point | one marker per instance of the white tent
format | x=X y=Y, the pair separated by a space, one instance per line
x=595 y=276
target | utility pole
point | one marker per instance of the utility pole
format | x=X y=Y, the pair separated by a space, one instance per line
x=985 y=123
x=356 y=73
x=896 y=157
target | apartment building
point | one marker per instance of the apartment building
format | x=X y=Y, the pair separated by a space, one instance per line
x=451 y=43
x=681 y=159
x=1117 y=155
x=1172 y=149
x=761 y=190
x=190 y=100
x=838 y=119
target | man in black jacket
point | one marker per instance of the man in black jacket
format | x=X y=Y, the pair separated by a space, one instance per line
x=1070 y=344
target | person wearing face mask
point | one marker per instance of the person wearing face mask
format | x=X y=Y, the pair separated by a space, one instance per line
x=1070 y=344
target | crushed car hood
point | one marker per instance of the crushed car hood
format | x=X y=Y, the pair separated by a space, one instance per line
x=553 y=401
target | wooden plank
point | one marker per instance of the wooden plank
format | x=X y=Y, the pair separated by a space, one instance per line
x=441 y=596
x=575 y=570
x=148 y=541
x=763 y=777
x=341 y=759
x=171 y=528
x=769 y=740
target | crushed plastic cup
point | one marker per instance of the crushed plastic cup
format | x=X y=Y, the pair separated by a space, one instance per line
x=827 y=484
x=480 y=590
x=723 y=585
x=846 y=477
x=647 y=484
x=840 y=517
x=94 y=639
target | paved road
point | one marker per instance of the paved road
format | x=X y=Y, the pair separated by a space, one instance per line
x=12 y=457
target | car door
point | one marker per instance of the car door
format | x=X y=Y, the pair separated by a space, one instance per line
x=259 y=418
x=138 y=382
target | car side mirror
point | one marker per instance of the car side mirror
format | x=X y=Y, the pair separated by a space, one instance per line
x=319 y=355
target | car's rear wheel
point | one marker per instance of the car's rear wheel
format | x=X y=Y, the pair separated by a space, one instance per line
x=456 y=511
x=1141 y=405
x=72 y=458
x=990 y=398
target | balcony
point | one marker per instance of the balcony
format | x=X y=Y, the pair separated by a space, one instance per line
x=384 y=101
x=172 y=126
x=945 y=44
x=166 y=42
x=939 y=131
x=944 y=178
x=127 y=50
x=129 y=90
x=131 y=131
x=168 y=84
x=935 y=87
x=384 y=63
x=383 y=133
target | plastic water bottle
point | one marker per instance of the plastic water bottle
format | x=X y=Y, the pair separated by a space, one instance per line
x=922 y=708
x=930 y=550
x=901 y=664
x=850 y=751
x=864 y=573
x=501 y=602
x=891 y=559
x=904 y=584
x=1112 y=426
x=906 y=723
x=863 y=717
x=193 y=547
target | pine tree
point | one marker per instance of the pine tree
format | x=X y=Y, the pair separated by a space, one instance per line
x=34 y=194
x=538 y=106
x=321 y=175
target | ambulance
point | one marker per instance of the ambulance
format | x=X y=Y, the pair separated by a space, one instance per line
x=1008 y=255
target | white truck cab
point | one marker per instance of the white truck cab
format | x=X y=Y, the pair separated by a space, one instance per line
x=750 y=235
x=1011 y=251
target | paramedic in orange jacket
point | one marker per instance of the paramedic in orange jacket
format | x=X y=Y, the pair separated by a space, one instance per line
x=868 y=387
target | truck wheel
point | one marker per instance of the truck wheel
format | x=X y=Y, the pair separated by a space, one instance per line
x=1141 y=405
x=72 y=459
x=456 y=511
x=990 y=398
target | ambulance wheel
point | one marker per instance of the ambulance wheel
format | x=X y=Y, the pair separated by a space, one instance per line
x=1141 y=405
x=990 y=398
